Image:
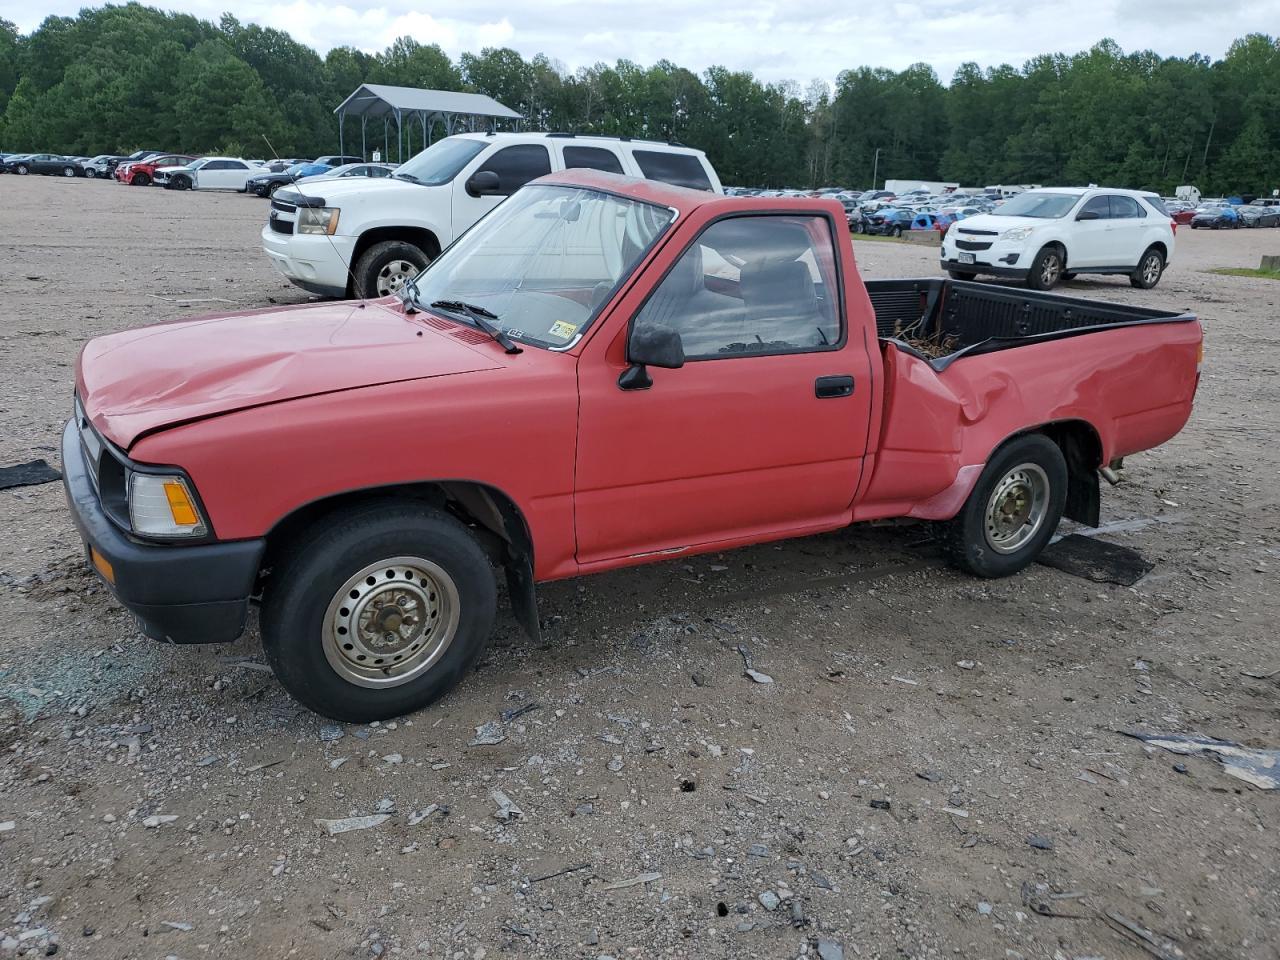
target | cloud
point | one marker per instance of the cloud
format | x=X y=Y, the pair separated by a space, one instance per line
x=799 y=40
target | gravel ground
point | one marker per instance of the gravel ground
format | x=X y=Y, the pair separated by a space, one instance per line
x=934 y=770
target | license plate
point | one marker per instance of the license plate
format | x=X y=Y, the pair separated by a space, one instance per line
x=966 y=258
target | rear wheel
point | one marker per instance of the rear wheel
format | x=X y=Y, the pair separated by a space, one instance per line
x=68 y=171
x=1149 y=270
x=90 y=172
x=22 y=170
x=1046 y=269
x=1013 y=509
x=379 y=612
x=386 y=267
x=896 y=232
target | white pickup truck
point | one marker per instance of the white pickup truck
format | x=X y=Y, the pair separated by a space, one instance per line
x=365 y=238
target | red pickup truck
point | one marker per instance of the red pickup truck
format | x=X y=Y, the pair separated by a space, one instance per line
x=602 y=372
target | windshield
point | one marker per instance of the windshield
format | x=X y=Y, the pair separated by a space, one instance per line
x=544 y=261
x=1042 y=206
x=441 y=161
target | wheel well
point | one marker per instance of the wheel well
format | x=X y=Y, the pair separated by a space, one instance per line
x=1082 y=448
x=420 y=237
x=489 y=513
x=1164 y=251
x=1060 y=247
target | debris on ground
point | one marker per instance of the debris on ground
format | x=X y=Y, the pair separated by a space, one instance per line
x=157 y=820
x=30 y=474
x=1158 y=946
x=507 y=809
x=1092 y=559
x=632 y=881
x=758 y=677
x=488 y=734
x=1260 y=768
x=347 y=824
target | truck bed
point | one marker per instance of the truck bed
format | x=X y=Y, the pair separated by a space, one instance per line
x=941 y=320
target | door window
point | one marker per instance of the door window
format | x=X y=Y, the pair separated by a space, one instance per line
x=593 y=158
x=517 y=165
x=1125 y=208
x=1099 y=205
x=750 y=286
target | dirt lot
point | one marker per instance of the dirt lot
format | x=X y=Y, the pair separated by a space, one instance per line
x=881 y=795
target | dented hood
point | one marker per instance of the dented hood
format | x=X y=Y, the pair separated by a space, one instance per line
x=138 y=381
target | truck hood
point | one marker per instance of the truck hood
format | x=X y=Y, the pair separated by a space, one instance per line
x=142 y=380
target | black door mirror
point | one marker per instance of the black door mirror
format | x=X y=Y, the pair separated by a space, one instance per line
x=1088 y=215
x=483 y=183
x=650 y=345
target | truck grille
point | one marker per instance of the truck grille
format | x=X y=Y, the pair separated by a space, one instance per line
x=280 y=226
x=282 y=207
x=977 y=233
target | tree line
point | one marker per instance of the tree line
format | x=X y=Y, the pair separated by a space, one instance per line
x=118 y=78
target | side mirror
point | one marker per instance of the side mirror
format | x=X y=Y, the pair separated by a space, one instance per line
x=483 y=183
x=650 y=345
x=1088 y=215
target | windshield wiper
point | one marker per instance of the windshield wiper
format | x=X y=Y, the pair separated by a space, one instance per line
x=406 y=176
x=480 y=316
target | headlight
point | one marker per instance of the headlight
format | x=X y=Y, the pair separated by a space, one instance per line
x=1017 y=233
x=322 y=220
x=163 y=506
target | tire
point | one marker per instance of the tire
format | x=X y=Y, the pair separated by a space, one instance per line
x=383 y=268
x=22 y=170
x=140 y=180
x=180 y=183
x=90 y=173
x=984 y=538
x=271 y=189
x=1149 y=269
x=960 y=274
x=896 y=233
x=1069 y=276
x=1046 y=269
x=68 y=171
x=317 y=595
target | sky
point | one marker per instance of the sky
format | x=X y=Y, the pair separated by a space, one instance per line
x=800 y=40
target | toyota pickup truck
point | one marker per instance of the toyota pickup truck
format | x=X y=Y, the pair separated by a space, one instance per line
x=603 y=372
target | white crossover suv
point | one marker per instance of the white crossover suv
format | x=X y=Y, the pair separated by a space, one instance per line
x=1050 y=234
x=364 y=237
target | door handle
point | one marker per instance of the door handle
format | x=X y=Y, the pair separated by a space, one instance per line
x=825 y=388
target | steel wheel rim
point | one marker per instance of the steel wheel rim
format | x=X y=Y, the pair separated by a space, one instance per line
x=393 y=276
x=1151 y=270
x=1017 y=508
x=1051 y=269
x=391 y=622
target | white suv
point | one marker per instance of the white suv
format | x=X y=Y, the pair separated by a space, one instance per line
x=365 y=238
x=1050 y=234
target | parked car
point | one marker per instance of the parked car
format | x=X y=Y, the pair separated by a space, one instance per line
x=1045 y=235
x=375 y=170
x=1257 y=214
x=264 y=184
x=207 y=173
x=114 y=162
x=279 y=165
x=366 y=237
x=890 y=221
x=628 y=314
x=48 y=164
x=140 y=173
x=1221 y=216
x=856 y=219
x=99 y=166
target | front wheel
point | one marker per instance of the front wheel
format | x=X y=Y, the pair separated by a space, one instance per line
x=897 y=233
x=1046 y=269
x=379 y=612
x=271 y=190
x=140 y=180
x=386 y=267
x=1013 y=509
x=22 y=170
x=180 y=183
x=1148 y=271
x=90 y=172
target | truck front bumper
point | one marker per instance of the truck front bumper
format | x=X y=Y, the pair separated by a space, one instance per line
x=317 y=264
x=197 y=593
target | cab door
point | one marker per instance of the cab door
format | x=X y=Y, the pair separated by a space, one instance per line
x=763 y=429
x=514 y=166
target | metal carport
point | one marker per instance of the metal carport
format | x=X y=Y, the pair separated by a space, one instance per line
x=456 y=111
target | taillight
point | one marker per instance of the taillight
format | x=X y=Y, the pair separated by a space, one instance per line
x=1174 y=224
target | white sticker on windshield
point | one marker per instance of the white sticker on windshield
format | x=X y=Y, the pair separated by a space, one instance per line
x=562 y=329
